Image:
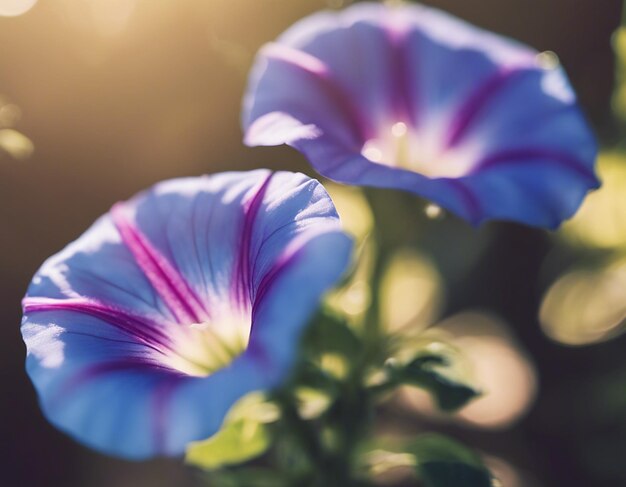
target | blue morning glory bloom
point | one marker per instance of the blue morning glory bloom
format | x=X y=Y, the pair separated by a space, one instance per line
x=142 y=333
x=408 y=97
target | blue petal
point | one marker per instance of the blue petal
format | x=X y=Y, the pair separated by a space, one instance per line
x=473 y=103
x=102 y=317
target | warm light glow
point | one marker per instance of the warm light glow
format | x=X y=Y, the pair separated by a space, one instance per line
x=356 y=217
x=601 y=221
x=506 y=377
x=399 y=129
x=372 y=152
x=16 y=144
x=433 y=211
x=500 y=368
x=547 y=60
x=411 y=294
x=111 y=16
x=353 y=298
x=586 y=305
x=13 y=8
x=108 y=18
x=9 y=114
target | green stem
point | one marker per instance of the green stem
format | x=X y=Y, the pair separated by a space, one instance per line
x=327 y=468
x=302 y=431
x=385 y=237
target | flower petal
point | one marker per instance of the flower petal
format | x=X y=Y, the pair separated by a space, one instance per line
x=411 y=98
x=103 y=318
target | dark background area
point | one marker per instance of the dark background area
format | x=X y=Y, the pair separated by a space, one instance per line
x=117 y=98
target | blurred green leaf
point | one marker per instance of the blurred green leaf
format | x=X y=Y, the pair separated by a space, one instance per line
x=442 y=462
x=235 y=443
x=440 y=370
x=331 y=332
x=243 y=436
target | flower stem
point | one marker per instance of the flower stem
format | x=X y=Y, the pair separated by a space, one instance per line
x=385 y=237
x=327 y=468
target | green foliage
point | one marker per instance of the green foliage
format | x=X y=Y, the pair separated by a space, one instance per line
x=442 y=462
x=244 y=436
x=439 y=369
x=331 y=333
x=236 y=442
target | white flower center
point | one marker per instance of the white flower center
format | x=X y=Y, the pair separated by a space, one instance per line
x=398 y=145
x=203 y=348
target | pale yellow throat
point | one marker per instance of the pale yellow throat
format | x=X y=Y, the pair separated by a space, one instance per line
x=398 y=145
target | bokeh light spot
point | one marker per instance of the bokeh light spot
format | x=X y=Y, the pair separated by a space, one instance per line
x=412 y=292
x=586 y=306
x=501 y=369
x=601 y=221
x=16 y=144
x=13 y=8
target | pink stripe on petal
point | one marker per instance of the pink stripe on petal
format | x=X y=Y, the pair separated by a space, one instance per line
x=164 y=277
x=405 y=89
x=547 y=155
x=317 y=69
x=284 y=261
x=242 y=285
x=471 y=108
x=139 y=327
x=95 y=371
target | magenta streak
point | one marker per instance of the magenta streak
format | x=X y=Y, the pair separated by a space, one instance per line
x=403 y=91
x=514 y=156
x=166 y=381
x=138 y=327
x=165 y=279
x=242 y=285
x=468 y=112
x=328 y=85
x=286 y=260
x=129 y=364
x=256 y=352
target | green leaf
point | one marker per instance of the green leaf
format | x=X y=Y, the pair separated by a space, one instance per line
x=330 y=332
x=442 y=462
x=440 y=369
x=243 y=436
x=235 y=443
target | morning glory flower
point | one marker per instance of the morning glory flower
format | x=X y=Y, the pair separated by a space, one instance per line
x=408 y=97
x=142 y=333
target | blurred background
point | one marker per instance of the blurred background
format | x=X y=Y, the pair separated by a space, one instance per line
x=102 y=98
